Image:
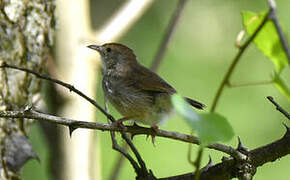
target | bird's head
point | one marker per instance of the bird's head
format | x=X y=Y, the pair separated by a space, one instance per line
x=115 y=55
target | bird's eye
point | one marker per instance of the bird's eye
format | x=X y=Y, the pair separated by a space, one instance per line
x=108 y=50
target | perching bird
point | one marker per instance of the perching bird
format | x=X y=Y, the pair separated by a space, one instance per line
x=135 y=91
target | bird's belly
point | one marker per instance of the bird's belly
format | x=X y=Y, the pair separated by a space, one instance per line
x=130 y=104
x=139 y=106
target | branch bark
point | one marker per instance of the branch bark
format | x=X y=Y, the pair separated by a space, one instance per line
x=231 y=168
x=278 y=107
x=75 y=124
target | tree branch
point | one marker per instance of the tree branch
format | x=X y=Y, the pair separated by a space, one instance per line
x=56 y=81
x=72 y=124
x=278 y=107
x=122 y=151
x=230 y=168
x=117 y=147
x=32 y=114
x=78 y=124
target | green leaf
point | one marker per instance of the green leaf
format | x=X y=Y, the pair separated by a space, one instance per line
x=267 y=40
x=210 y=127
x=281 y=86
x=214 y=127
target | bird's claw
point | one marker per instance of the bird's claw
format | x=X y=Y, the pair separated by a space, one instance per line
x=119 y=123
x=155 y=129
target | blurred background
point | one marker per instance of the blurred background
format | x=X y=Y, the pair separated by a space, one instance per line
x=198 y=55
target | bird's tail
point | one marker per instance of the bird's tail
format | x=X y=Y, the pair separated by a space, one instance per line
x=195 y=103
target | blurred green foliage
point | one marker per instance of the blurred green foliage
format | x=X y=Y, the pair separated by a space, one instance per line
x=198 y=55
x=209 y=127
x=282 y=86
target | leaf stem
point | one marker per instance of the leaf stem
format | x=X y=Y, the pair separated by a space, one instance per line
x=235 y=61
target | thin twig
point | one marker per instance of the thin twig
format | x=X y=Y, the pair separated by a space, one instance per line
x=117 y=167
x=278 y=107
x=231 y=85
x=66 y=85
x=143 y=169
x=140 y=171
x=197 y=163
x=273 y=16
x=235 y=61
x=166 y=38
x=122 y=151
x=116 y=146
x=32 y=114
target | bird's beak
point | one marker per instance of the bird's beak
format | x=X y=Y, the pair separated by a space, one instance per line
x=95 y=47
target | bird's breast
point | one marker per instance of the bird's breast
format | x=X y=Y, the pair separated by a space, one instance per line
x=112 y=86
x=148 y=107
x=124 y=95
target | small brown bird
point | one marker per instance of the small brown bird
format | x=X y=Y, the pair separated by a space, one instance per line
x=136 y=92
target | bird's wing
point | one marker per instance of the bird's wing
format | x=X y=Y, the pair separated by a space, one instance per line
x=149 y=81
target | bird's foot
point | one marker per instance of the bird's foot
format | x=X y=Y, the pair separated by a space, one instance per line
x=155 y=129
x=119 y=123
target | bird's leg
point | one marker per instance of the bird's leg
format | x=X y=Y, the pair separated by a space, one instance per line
x=119 y=122
x=155 y=129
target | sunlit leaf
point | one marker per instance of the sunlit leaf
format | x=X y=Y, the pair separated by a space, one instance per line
x=210 y=127
x=281 y=86
x=267 y=40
